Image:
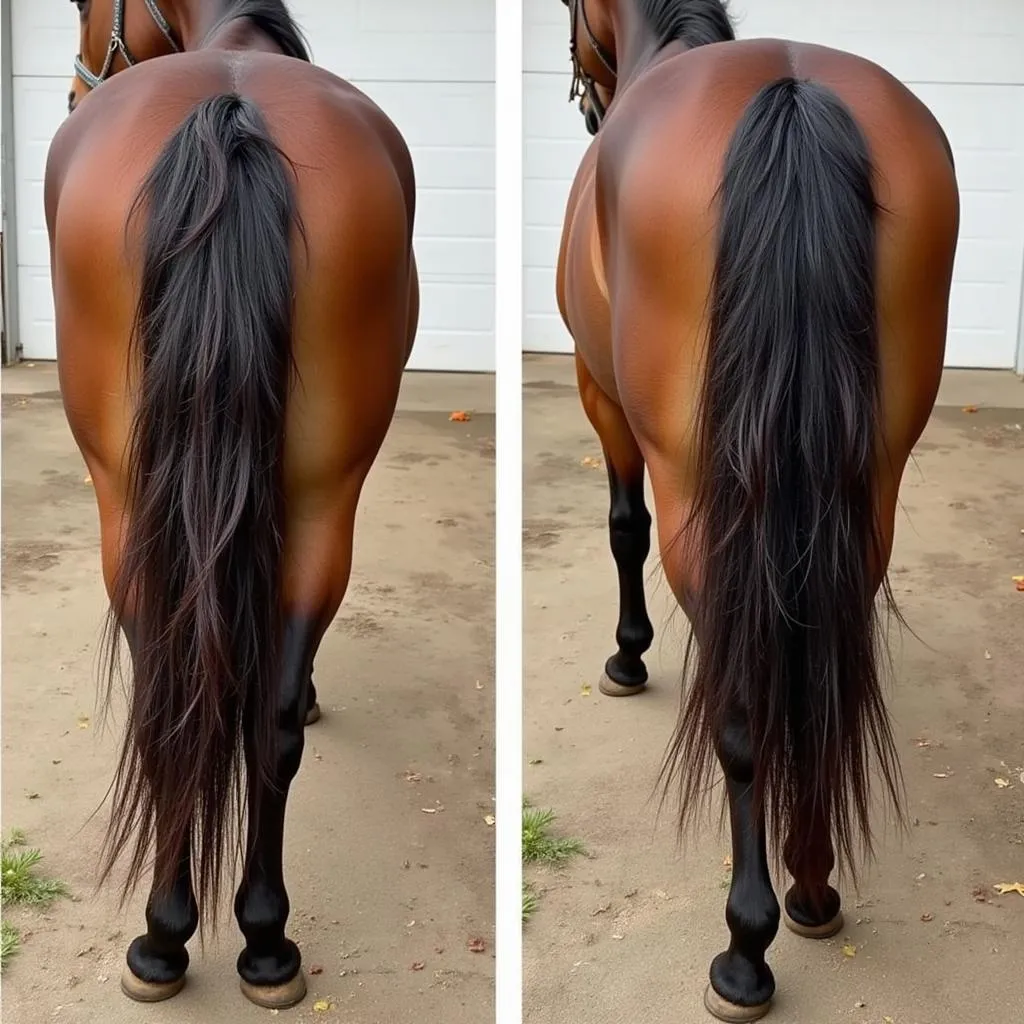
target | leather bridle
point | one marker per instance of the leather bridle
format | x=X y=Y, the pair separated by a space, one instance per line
x=119 y=46
x=582 y=83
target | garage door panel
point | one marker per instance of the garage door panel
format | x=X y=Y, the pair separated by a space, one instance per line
x=456 y=305
x=44 y=39
x=35 y=313
x=41 y=106
x=401 y=40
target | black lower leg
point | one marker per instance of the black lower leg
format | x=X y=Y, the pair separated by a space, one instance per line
x=740 y=974
x=261 y=904
x=159 y=957
x=629 y=525
x=811 y=902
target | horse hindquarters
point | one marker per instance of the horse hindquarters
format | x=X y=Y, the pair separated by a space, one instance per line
x=785 y=687
x=199 y=581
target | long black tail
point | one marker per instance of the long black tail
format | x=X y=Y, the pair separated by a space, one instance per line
x=198 y=589
x=787 y=627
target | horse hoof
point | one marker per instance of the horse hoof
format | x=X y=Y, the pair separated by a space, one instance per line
x=814 y=931
x=149 y=991
x=732 y=1013
x=610 y=688
x=276 y=997
x=313 y=714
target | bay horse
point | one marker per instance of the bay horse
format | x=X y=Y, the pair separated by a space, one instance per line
x=755 y=268
x=236 y=299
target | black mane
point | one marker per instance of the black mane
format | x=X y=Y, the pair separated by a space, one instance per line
x=273 y=18
x=694 y=22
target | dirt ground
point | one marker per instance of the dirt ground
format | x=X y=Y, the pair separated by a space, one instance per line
x=405 y=679
x=628 y=933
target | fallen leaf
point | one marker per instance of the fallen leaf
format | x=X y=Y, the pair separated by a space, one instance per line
x=489 y=820
x=476 y=946
x=970 y=408
x=321 y=1006
x=418 y=966
x=585 y=690
x=849 y=949
x=83 y=721
x=617 y=936
x=536 y=760
x=590 y=462
x=316 y=969
x=888 y=1020
x=411 y=776
x=927 y=917
x=33 y=796
x=460 y=416
x=1002 y=783
x=1007 y=887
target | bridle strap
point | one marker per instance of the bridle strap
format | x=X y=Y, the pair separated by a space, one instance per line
x=118 y=44
x=582 y=83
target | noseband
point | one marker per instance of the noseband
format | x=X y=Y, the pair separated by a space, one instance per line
x=118 y=45
x=582 y=83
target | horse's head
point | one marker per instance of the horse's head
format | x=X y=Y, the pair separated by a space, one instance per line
x=106 y=26
x=592 y=50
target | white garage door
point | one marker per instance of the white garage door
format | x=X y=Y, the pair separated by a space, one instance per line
x=430 y=68
x=966 y=61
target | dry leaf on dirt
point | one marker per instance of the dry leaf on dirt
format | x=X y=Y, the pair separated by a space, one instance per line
x=316 y=969
x=1002 y=783
x=321 y=1006
x=476 y=946
x=585 y=690
x=1003 y=888
x=849 y=949
x=489 y=820
x=460 y=416
x=590 y=462
x=83 y=721
x=411 y=776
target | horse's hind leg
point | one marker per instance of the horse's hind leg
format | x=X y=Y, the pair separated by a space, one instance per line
x=629 y=527
x=742 y=984
x=158 y=960
x=813 y=907
x=270 y=966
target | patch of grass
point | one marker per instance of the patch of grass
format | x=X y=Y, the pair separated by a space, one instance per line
x=530 y=901
x=10 y=943
x=19 y=883
x=539 y=846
